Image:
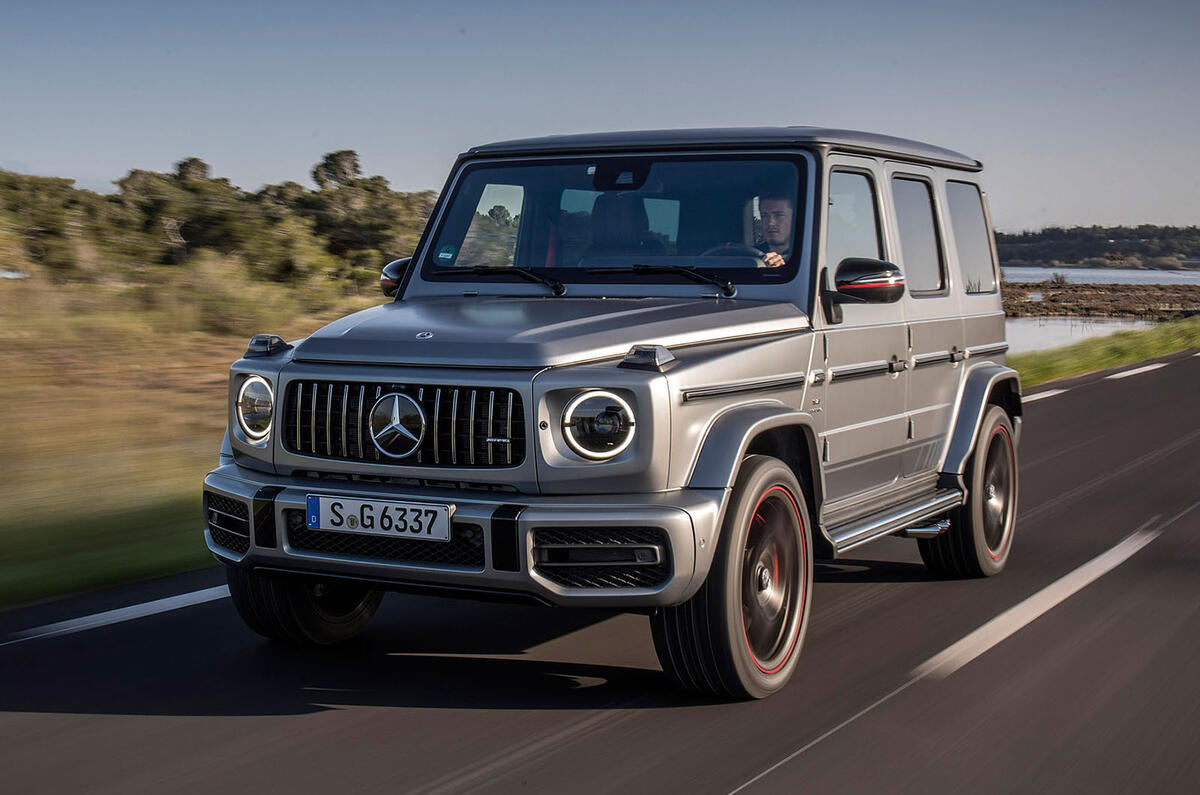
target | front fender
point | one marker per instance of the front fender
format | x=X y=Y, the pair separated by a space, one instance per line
x=727 y=442
x=729 y=437
x=972 y=403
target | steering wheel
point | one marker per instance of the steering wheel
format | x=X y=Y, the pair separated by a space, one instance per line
x=732 y=250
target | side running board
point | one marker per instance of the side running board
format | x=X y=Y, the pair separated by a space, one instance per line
x=901 y=517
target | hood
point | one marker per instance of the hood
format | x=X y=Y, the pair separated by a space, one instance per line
x=533 y=332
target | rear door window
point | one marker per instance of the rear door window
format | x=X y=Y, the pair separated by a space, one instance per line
x=920 y=252
x=853 y=227
x=971 y=237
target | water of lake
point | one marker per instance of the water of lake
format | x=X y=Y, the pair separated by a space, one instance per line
x=1042 y=333
x=1102 y=275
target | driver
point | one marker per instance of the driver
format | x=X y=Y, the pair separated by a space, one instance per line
x=776 y=211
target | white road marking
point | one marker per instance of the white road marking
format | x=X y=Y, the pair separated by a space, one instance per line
x=1135 y=371
x=1001 y=627
x=1007 y=623
x=120 y=615
x=1040 y=395
x=1194 y=355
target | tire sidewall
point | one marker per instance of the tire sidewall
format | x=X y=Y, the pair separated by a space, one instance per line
x=759 y=475
x=995 y=422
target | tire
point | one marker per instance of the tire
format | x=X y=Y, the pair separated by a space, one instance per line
x=301 y=612
x=762 y=574
x=980 y=537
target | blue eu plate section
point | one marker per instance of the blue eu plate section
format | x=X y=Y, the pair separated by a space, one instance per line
x=314 y=512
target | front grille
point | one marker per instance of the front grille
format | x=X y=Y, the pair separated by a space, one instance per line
x=228 y=522
x=619 y=575
x=463 y=550
x=477 y=427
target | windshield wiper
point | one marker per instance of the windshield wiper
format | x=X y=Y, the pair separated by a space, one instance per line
x=555 y=285
x=727 y=287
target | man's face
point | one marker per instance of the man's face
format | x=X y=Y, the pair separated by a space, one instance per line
x=776 y=222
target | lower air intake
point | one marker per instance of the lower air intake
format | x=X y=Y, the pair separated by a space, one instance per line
x=228 y=522
x=602 y=557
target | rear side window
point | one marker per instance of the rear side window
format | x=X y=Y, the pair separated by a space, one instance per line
x=853 y=228
x=971 y=237
x=919 y=248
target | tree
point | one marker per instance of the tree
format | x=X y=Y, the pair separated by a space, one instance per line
x=500 y=215
x=191 y=168
x=338 y=168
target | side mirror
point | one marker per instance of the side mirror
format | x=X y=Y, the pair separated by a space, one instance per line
x=392 y=275
x=870 y=281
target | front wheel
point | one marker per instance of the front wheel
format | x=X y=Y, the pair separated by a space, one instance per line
x=298 y=611
x=740 y=635
x=981 y=531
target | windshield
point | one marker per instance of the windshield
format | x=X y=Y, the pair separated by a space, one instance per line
x=594 y=219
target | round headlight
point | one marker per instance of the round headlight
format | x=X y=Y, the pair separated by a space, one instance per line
x=598 y=424
x=255 y=404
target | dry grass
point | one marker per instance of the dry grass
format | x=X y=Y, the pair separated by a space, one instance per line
x=114 y=408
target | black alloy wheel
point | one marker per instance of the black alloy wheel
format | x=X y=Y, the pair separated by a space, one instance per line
x=981 y=531
x=740 y=635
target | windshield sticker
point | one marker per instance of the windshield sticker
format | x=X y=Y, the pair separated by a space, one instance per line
x=446 y=253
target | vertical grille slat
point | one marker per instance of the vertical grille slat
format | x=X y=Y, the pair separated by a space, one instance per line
x=312 y=419
x=454 y=428
x=329 y=420
x=491 y=430
x=437 y=407
x=378 y=392
x=362 y=390
x=345 y=403
x=299 y=405
x=471 y=426
x=508 y=427
x=461 y=430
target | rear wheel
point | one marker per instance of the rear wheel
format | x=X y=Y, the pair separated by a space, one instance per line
x=981 y=531
x=311 y=612
x=741 y=634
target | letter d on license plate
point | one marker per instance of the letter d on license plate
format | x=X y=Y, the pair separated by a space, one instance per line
x=419 y=521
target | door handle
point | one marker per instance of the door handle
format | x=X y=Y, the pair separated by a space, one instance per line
x=957 y=356
x=897 y=365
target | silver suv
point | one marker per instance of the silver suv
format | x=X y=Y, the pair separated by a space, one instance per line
x=654 y=371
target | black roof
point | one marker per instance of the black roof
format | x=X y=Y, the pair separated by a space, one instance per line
x=733 y=137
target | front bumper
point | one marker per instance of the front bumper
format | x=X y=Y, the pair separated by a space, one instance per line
x=502 y=524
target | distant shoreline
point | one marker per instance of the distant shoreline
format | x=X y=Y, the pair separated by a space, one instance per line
x=1146 y=301
x=1185 y=266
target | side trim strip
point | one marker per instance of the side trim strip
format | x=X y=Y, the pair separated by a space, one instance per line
x=748 y=386
x=931 y=358
x=858 y=370
x=984 y=350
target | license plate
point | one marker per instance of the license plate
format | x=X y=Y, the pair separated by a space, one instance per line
x=413 y=520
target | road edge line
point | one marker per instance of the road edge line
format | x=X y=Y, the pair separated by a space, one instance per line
x=120 y=615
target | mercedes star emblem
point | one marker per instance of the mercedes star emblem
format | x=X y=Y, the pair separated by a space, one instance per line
x=424 y=335
x=397 y=425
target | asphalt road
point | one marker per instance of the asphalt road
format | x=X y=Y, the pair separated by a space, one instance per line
x=1061 y=675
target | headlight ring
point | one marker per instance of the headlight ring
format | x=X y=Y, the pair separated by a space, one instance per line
x=254 y=407
x=598 y=424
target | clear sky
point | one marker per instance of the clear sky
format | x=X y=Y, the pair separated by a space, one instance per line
x=1083 y=112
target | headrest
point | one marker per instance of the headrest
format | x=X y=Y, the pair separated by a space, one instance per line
x=619 y=221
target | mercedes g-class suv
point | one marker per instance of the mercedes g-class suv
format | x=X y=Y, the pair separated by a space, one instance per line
x=653 y=371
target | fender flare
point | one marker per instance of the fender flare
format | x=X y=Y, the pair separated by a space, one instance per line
x=969 y=410
x=729 y=436
x=725 y=445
